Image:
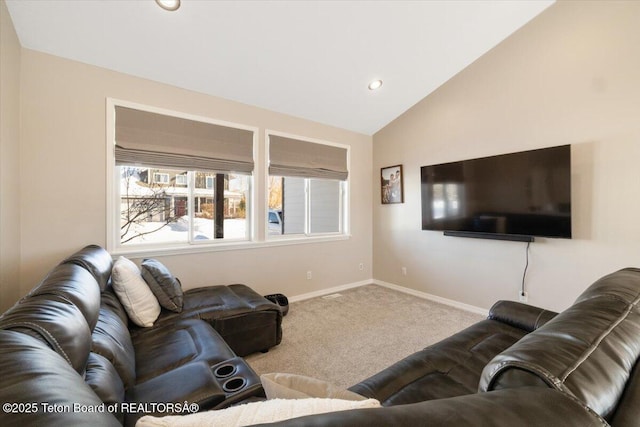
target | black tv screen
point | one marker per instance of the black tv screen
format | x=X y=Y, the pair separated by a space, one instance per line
x=518 y=194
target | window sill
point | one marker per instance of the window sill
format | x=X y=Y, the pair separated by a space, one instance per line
x=139 y=252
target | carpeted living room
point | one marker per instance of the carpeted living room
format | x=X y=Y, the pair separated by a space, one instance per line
x=319 y=213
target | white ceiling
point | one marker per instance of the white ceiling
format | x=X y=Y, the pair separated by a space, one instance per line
x=309 y=59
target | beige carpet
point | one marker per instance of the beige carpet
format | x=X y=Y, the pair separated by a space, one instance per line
x=347 y=339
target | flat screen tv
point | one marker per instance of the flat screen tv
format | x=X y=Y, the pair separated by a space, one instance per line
x=510 y=197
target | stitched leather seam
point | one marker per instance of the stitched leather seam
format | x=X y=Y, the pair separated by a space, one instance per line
x=613 y=297
x=535 y=369
x=596 y=344
x=45 y=334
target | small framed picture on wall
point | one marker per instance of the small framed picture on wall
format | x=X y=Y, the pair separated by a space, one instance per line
x=391 y=185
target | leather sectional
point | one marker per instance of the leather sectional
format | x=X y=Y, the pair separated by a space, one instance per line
x=69 y=342
x=66 y=344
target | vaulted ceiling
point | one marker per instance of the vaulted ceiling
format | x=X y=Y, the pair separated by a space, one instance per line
x=309 y=59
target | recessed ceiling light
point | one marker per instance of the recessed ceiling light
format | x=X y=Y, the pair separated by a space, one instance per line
x=376 y=84
x=169 y=4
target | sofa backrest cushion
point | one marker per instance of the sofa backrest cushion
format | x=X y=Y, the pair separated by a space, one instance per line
x=588 y=350
x=628 y=411
x=96 y=260
x=111 y=340
x=104 y=380
x=109 y=300
x=75 y=285
x=55 y=321
x=43 y=388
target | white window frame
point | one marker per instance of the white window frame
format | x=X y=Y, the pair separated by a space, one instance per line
x=344 y=208
x=113 y=193
x=182 y=177
x=257 y=227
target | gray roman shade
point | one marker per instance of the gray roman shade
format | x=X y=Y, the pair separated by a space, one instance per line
x=157 y=140
x=293 y=157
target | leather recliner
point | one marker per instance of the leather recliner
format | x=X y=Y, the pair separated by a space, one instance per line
x=68 y=355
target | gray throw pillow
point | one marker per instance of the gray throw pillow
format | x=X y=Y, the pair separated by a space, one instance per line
x=163 y=284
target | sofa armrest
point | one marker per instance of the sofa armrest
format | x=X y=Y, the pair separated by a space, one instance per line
x=519 y=315
x=530 y=406
x=191 y=383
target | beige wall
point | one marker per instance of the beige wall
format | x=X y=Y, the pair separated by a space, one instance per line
x=570 y=76
x=63 y=201
x=9 y=161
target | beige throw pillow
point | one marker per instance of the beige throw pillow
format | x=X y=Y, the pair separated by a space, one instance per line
x=134 y=293
x=292 y=386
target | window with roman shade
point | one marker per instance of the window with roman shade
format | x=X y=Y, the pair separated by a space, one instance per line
x=149 y=139
x=294 y=157
x=180 y=181
x=307 y=187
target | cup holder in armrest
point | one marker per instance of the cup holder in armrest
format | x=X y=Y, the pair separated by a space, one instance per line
x=234 y=384
x=225 y=370
x=237 y=381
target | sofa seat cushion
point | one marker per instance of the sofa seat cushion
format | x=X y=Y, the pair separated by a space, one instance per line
x=220 y=302
x=163 y=348
x=449 y=368
x=246 y=320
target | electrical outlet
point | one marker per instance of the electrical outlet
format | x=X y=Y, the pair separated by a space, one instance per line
x=404 y=271
x=523 y=296
x=309 y=275
x=361 y=266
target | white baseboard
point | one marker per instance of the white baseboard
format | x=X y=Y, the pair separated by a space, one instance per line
x=328 y=291
x=420 y=294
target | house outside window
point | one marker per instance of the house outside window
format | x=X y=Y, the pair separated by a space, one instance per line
x=306 y=197
x=172 y=195
x=164 y=213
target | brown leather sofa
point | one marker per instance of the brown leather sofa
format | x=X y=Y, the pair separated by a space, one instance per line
x=523 y=366
x=68 y=355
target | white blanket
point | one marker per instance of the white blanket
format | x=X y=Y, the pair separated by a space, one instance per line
x=257 y=413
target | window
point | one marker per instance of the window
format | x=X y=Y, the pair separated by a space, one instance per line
x=307 y=187
x=184 y=183
x=179 y=181
x=161 y=213
x=161 y=178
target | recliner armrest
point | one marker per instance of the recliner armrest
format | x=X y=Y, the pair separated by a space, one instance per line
x=190 y=383
x=519 y=315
